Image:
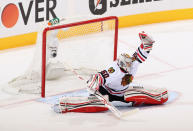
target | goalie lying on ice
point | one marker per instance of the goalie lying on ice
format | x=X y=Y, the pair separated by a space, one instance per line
x=115 y=82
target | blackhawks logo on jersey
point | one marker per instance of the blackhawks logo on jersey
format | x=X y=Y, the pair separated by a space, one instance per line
x=127 y=79
x=111 y=70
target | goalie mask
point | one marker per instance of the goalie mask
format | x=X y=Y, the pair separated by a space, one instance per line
x=124 y=61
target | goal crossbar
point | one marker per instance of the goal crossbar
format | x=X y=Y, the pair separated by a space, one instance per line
x=43 y=73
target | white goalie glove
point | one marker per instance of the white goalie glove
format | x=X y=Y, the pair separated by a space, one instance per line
x=94 y=83
x=147 y=41
x=143 y=50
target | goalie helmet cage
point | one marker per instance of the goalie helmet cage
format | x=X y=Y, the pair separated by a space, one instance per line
x=101 y=20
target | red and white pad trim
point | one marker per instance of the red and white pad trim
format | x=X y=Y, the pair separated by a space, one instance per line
x=82 y=105
x=146 y=97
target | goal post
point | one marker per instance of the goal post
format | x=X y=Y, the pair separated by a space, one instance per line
x=92 y=21
x=87 y=46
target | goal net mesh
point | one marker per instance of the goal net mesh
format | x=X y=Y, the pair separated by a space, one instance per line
x=86 y=46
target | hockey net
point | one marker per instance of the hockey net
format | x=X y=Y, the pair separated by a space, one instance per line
x=87 y=46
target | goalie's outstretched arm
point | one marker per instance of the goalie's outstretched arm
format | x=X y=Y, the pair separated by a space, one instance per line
x=144 y=49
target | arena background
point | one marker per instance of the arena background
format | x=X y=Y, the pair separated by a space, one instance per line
x=20 y=19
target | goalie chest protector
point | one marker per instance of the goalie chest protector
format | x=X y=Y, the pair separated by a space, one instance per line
x=113 y=77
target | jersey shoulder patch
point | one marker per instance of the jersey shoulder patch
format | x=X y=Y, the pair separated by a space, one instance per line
x=111 y=70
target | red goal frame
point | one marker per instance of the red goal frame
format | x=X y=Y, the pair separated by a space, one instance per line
x=43 y=81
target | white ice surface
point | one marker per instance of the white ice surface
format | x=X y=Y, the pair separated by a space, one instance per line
x=169 y=65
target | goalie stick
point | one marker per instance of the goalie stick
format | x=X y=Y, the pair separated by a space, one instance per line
x=112 y=108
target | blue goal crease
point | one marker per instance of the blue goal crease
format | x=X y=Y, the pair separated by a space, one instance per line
x=172 y=96
x=55 y=99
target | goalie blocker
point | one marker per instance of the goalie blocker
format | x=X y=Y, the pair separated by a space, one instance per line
x=136 y=95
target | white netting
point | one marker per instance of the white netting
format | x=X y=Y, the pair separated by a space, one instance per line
x=84 y=47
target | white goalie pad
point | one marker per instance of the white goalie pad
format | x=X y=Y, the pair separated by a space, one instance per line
x=80 y=104
x=140 y=95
